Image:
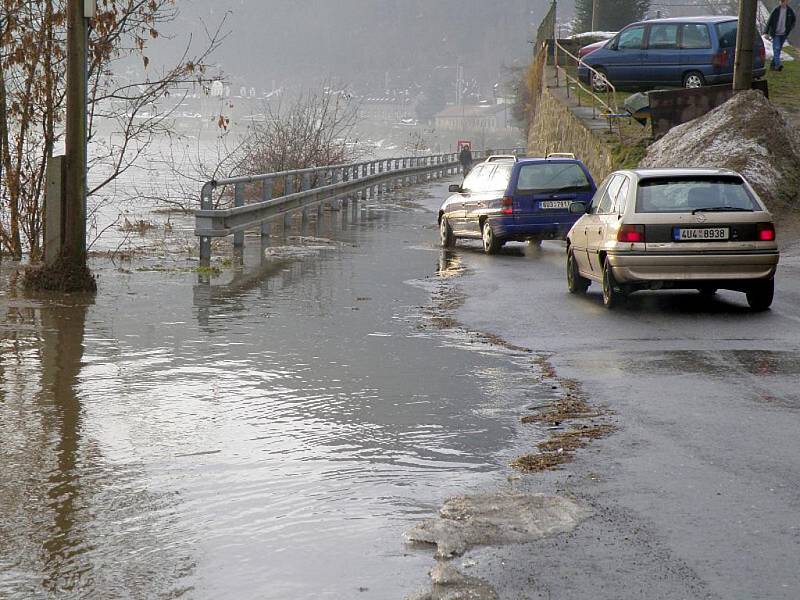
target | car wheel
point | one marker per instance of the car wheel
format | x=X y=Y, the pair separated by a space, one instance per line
x=490 y=242
x=693 y=79
x=612 y=296
x=446 y=237
x=599 y=80
x=576 y=284
x=759 y=295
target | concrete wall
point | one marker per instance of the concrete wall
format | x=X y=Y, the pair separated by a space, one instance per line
x=554 y=128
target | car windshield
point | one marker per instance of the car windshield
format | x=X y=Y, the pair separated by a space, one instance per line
x=694 y=194
x=553 y=177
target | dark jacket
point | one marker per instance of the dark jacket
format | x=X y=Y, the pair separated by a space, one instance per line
x=465 y=156
x=772 y=24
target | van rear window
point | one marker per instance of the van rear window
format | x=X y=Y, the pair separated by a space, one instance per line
x=694 y=194
x=727 y=34
x=552 y=177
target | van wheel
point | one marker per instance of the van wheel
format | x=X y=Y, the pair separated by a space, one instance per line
x=612 y=297
x=576 y=284
x=490 y=242
x=760 y=295
x=599 y=84
x=693 y=79
x=446 y=237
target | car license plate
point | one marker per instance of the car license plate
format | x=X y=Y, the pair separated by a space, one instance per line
x=545 y=204
x=701 y=234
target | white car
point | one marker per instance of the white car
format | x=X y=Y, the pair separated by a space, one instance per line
x=703 y=229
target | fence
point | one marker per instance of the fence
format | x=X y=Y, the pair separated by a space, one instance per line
x=566 y=65
x=301 y=189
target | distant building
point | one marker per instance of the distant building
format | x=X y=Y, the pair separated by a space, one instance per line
x=475 y=117
x=385 y=110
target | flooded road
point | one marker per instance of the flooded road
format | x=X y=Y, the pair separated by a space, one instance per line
x=264 y=432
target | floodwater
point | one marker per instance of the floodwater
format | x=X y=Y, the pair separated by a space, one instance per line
x=266 y=432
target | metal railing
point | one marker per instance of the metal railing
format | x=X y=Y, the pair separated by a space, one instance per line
x=609 y=109
x=284 y=193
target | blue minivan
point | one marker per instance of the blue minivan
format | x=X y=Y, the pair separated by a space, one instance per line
x=523 y=200
x=689 y=52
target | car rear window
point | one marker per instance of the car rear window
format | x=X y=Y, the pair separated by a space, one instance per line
x=693 y=193
x=727 y=34
x=552 y=177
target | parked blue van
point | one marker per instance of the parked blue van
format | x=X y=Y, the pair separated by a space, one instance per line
x=523 y=200
x=689 y=52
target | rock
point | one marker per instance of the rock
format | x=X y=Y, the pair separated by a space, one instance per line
x=746 y=134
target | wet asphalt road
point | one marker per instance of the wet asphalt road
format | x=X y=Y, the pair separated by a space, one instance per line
x=272 y=432
x=697 y=493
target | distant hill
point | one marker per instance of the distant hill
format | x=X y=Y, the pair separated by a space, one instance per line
x=360 y=40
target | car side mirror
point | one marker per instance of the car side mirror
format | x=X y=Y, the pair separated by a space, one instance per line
x=578 y=208
x=454 y=188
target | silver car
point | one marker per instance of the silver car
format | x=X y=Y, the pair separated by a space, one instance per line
x=648 y=229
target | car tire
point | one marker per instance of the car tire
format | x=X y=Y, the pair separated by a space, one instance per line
x=693 y=79
x=597 y=84
x=446 y=237
x=491 y=245
x=760 y=295
x=576 y=283
x=612 y=297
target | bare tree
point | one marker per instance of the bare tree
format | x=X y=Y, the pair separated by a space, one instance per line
x=315 y=130
x=32 y=86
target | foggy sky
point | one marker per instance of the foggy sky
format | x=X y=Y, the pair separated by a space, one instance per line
x=358 y=41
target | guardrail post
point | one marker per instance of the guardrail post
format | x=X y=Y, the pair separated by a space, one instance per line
x=238 y=200
x=266 y=196
x=288 y=189
x=206 y=203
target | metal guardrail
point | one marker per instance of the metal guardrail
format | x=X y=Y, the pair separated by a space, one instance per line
x=609 y=106
x=304 y=188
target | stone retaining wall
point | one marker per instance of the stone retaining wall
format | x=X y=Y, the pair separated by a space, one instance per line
x=554 y=128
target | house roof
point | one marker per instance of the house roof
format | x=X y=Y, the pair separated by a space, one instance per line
x=470 y=111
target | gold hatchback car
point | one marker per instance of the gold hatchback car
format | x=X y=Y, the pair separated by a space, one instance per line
x=649 y=229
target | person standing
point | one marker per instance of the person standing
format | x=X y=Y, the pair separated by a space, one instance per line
x=465 y=158
x=779 y=26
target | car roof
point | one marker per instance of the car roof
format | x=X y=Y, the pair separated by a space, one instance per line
x=500 y=158
x=542 y=159
x=705 y=19
x=675 y=172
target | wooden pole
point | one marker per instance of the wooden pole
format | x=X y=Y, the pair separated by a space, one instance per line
x=74 y=244
x=594 y=15
x=743 y=64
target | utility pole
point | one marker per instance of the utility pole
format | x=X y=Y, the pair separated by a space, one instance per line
x=594 y=15
x=73 y=249
x=743 y=64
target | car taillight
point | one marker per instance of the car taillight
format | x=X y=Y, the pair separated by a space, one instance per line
x=633 y=234
x=720 y=59
x=507 y=206
x=766 y=232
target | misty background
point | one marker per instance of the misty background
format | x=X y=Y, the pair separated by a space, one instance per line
x=365 y=44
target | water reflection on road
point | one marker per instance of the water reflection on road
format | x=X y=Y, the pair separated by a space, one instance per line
x=264 y=433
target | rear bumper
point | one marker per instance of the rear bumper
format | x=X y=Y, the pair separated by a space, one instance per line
x=523 y=228
x=722 y=78
x=684 y=267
